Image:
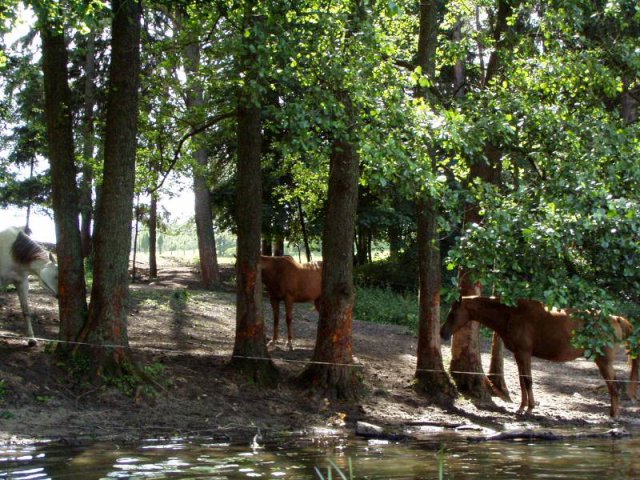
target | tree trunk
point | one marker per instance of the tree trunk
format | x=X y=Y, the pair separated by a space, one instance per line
x=86 y=182
x=153 y=236
x=331 y=372
x=629 y=104
x=209 y=270
x=107 y=324
x=362 y=242
x=250 y=354
x=466 y=363
x=496 y=369
x=278 y=245
x=136 y=232
x=303 y=227
x=465 y=346
x=431 y=378
x=266 y=247
x=72 y=302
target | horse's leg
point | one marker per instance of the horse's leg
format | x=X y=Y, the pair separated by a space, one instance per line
x=288 y=303
x=275 y=306
x=526 y=384
x=23 y=295
x=605 y=365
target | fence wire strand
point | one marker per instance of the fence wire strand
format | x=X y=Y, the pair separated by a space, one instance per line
x=256 y=358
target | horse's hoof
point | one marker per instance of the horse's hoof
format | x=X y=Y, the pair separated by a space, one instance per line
x=290 y=346
x=32 y=342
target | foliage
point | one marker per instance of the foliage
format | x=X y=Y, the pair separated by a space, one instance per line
x=562 y=226
x=399 y=273
x=379 y=305
x=139 y=381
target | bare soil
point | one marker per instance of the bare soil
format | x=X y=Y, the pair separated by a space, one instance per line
x=189 y=332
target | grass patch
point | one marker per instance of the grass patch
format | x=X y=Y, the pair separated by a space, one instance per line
x=382 y=305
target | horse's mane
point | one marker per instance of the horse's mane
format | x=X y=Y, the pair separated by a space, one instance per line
x=24 y=250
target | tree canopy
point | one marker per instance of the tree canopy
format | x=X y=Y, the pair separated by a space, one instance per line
x=550 y=85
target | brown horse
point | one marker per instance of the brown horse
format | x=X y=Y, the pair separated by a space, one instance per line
x=530 y=329
x=287 y=280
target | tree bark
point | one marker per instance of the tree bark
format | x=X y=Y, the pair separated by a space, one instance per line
x=153 y=236
x=278 y=245
x=72 y=302
x=250 y=354
x=331 y=372
x=107 y=324
x=88 y=145
x=466 y=363
x=465 y=346
x=629 y=104
x=209 y=270
x=303 y=228
x=430 y=376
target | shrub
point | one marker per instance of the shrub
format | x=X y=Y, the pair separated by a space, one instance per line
x=382 y=305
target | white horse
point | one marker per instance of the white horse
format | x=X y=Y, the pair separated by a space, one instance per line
x=20 y=257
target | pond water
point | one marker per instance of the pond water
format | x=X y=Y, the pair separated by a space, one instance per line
x=433 y=456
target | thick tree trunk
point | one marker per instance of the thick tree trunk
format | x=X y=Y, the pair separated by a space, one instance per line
x=250 y=354
x=430 y=376
x=107 y=325
x=465 y=346
x=209 y=270
x=466 y=364
x=331 y=372
x=431 y=379
x=72 y=289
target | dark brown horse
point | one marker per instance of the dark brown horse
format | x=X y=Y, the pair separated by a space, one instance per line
x=289 y=281
x=530 y=329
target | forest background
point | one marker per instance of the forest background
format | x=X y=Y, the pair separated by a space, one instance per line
x=491 y=145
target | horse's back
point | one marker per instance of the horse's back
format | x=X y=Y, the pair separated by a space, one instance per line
x=286 y=278
x=547 y=332
x=9 y=271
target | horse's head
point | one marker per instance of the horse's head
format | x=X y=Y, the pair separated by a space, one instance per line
x=49 y=276
x=457 y=318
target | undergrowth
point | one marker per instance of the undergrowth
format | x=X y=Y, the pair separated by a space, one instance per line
x=382 y=305
x=134 y=379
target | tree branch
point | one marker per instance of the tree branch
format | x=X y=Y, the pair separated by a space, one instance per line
x=194 y=131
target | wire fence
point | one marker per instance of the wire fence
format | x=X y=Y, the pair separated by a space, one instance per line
x=269 y=358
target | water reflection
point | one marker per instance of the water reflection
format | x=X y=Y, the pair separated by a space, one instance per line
x=300 y=457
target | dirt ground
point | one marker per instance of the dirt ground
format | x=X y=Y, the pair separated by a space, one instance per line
x=190 y=332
